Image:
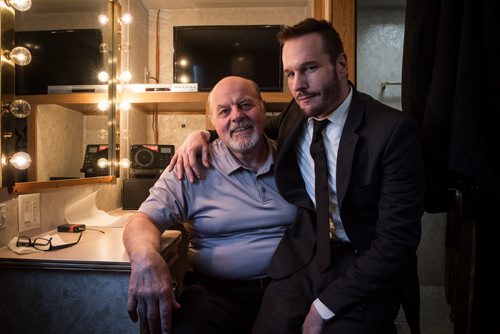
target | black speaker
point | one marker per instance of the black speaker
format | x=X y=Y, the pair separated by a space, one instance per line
x=149 y=161
x=135 y=191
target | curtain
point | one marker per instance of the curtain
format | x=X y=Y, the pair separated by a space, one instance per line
x=451 y=86
x=451 y=79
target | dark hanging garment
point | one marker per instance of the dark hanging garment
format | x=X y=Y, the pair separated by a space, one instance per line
x=451 y=85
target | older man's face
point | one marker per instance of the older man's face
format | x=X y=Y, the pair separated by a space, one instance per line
x=237 y=114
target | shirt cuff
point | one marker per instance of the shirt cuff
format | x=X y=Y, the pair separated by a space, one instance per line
x=323 y=311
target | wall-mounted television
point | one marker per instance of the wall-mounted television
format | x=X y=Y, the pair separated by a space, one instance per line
x=206 y=54
x=58 y=57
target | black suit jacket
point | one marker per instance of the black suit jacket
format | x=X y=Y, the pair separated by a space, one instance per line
x=380 y=191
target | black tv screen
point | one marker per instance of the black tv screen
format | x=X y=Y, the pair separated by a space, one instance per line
x=58 y=57
x=206 y=54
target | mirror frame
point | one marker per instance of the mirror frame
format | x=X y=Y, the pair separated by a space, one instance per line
x=113 y=41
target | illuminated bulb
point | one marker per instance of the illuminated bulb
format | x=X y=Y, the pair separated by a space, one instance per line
x=126 y=18
x=21 y=5
x=124 y=163
x=102 y=19
x=20 y=108
x=125 y=106
x=184 y=79
x=103 y=106
x=103 y=76
x=20 y=55
x=21 y=160
x=102 y=163
x=183 y=62
x=125 y=76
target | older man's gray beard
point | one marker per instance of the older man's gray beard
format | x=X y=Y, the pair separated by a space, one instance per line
x=244 y=144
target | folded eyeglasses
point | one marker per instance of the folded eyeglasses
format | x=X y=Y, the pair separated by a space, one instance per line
x=43 y=244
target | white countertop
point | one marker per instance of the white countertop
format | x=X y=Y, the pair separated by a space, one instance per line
x=96 y=250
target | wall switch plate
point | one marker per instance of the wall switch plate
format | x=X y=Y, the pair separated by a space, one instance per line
x=29 y=211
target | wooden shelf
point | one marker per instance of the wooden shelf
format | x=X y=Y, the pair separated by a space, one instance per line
x=164 y=100
x=186 y=101
x=73 y=98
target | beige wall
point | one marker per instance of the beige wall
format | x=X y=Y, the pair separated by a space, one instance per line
x=138 y=37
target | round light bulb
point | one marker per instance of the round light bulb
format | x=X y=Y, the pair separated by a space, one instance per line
x=125 y=106
x=102 y=163
x=125 y=76
x=20 y=108
x=124 y=163
x=184 y=79
x=103 y=106
x=20 y=55
x=102 y=19
x=21 y=5
x=126 y=18
x=103 y=76
x=21 y=160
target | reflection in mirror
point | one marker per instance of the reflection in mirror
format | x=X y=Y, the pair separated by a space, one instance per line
x=62 y=85
x=67 y=131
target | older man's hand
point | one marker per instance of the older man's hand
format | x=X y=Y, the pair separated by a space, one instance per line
x=186 y=159
x=151 y=295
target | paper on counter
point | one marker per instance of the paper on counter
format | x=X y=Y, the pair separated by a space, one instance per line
x=85 y=211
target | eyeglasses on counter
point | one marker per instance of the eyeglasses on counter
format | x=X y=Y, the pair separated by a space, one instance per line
x=43 y=244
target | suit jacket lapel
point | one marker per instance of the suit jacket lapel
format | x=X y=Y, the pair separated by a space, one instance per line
x=347 y=146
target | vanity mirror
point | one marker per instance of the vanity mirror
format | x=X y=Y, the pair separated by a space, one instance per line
x=71 y=42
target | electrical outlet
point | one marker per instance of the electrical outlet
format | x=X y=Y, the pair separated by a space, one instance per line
x=29 y=211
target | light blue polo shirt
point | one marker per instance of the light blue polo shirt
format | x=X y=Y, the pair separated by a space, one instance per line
x=236 y=216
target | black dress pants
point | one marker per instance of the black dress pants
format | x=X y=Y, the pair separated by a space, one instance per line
x=286 y=303
x=217 y=306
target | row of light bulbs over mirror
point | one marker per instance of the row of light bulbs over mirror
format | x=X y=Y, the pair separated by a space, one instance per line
x=20 y=108
x=124 y=77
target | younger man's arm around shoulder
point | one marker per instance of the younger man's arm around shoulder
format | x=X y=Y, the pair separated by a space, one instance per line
x=150 y=294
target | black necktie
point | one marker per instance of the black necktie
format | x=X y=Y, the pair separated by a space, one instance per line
x=318 y=154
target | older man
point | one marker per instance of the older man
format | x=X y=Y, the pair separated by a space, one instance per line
x=236 y=220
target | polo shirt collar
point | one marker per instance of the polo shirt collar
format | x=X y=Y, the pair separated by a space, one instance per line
x=232 y=164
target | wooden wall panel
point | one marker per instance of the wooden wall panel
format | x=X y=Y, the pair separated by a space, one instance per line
x=342 y=13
